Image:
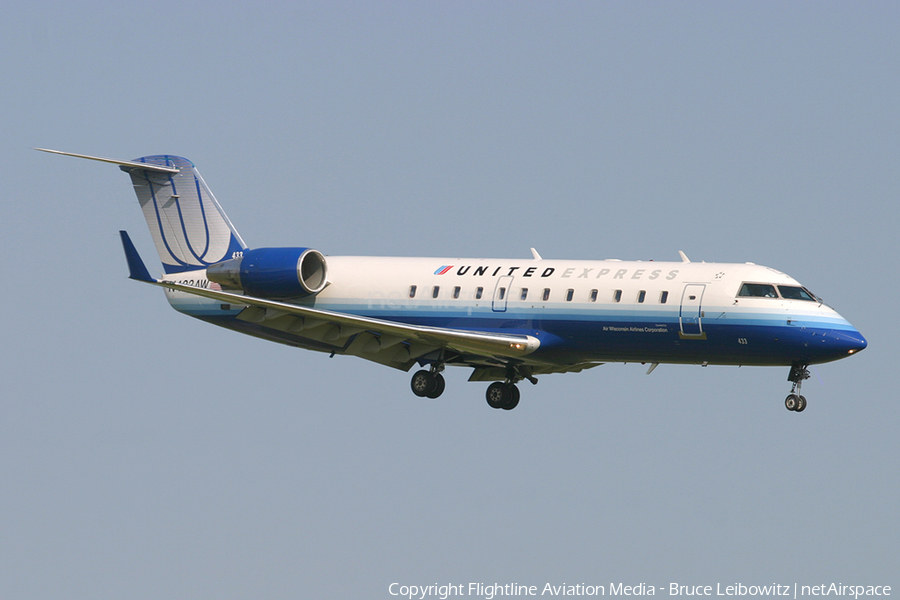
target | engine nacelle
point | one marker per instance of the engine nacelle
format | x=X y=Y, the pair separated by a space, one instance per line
x=273 y=272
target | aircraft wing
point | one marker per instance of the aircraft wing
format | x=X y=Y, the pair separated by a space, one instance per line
x=410 y=341
x=482 y=343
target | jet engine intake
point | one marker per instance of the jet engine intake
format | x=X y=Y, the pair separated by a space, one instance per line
x=273 y=272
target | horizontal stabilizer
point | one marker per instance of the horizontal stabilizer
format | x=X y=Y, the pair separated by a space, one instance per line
x=130 y=164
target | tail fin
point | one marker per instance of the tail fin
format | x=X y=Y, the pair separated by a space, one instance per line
x=189 y=228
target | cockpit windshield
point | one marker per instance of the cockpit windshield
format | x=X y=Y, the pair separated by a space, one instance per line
x=795 y=292
x=758 y=290
x=767 y=290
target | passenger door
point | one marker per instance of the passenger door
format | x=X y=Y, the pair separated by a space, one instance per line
x=692 y=309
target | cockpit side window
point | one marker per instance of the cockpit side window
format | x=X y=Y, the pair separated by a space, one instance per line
x=758 y=290
x=795 y=292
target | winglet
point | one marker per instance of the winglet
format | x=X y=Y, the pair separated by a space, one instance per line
x=535 y=254
x=136 y=268
x=684 y=257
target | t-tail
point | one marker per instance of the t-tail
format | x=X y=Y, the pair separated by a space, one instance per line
x=188 y=227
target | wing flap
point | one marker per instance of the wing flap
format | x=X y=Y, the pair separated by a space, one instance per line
x=498 y=373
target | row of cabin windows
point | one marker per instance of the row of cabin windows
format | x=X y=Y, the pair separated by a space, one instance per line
x=545 y=296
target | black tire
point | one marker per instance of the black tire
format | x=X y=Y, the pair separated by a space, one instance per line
x=439 y=384
x=791 y=402
x=497 y=394
x=423 y=383
x=513 y=400
x=801 y=403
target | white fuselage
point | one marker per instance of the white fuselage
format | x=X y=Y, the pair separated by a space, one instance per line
x=585 y=311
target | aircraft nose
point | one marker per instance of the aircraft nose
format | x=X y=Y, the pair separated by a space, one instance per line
x=848 y=342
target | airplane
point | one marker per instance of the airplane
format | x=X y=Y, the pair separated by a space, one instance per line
x=507 y=319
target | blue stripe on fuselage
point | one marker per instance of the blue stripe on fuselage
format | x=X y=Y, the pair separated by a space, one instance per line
x=575 y=335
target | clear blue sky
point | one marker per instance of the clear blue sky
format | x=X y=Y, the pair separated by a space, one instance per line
x=144 y=454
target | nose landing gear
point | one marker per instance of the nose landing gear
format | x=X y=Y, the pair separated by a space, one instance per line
x=795 y=402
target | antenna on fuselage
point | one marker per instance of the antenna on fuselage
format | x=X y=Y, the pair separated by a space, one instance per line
x=683 y=256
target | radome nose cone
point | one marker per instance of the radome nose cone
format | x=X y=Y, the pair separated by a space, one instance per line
x=850 y=341
x=861 y=342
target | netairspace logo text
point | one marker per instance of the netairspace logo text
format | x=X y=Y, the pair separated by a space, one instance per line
x=490 y=591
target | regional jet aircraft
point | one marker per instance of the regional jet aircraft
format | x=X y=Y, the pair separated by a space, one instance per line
x=506 y=319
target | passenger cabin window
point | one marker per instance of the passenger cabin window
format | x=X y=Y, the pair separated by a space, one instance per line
x=569 y=295
x=478 y=292
x=524 y=294
x=501 y=294
x=435 y=291
x=641 y=295
x=456 y=292
x=546 y=295
x=617 y=296
x=757 y=290
x=412 y=291
x=663 y=297
x=793 y=292
x=593 y=295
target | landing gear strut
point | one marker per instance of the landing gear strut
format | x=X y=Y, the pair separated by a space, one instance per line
x=795 y=401
x=428 y=384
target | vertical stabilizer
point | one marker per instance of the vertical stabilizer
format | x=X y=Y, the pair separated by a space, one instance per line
x=189 y=228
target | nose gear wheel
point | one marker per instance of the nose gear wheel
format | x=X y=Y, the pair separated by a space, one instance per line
x=795 y=402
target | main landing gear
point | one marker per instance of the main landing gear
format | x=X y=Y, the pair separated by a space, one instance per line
x=795 y=401
x=503 y=395
x=500 y=394
x=428 y=384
